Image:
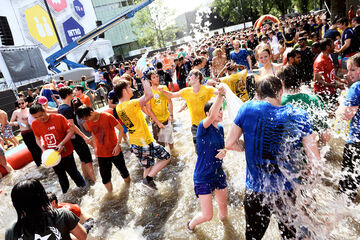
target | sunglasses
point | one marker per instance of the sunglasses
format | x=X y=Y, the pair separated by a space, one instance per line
x=21 y=103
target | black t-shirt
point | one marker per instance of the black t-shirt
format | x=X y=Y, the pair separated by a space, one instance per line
x=348 y=34
x=57 y=227
x=306 y=66
x=164 y=78
x=67 y=112
x=29 y=99
x=252 y=44
x=356 y=31
x=112 y=96
x=181 y=72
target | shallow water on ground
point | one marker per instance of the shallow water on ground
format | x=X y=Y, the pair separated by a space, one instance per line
x=134 y=212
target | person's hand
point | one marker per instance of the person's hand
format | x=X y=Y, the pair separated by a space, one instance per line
x=139 y=72
x=161 y=89
x=221 y=154
x=221 y=90
x=88 y=140
x=116 y=151
x=160 y=125
x=60 y=147
x=171 y=118
x=251 y=70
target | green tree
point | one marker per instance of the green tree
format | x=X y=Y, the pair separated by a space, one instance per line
x=152 y=26
x=302 y=5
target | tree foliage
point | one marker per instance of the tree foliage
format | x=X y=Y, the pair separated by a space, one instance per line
x=152 y=26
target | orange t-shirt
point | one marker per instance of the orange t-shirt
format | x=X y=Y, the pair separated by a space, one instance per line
x=53 y=132
x=85 y=100
x=104 y=133
x=74 y=208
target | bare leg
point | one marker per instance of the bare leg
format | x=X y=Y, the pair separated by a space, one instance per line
x=14 y=141
x=221 y=199
x=157 y=167
x=206 y=211
x=171 y=146
x=109 y=186
x=88 y=171
x=5 y=164
x=146 y=172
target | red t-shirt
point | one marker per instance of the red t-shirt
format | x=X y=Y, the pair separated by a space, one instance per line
x=324 y=64
x=53 y=132
x=104 y=133
x=86 y=100
x=71 y=207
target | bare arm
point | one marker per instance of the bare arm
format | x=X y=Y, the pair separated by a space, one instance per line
x=69 y=134
x=152 y=116
x=79 y=232
x=312 y=152
x=346 y=112
x=171 y=109
x=346 y=45
x=111 y=104
x=147 y=93
x=77 y=130
x=38 y=142
x=232 y=139
x=13 y=120
x=248 y=58
x=214 y=109
x=169 y=94
x=117 y=149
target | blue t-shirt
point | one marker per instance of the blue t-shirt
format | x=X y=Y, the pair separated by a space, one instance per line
x=47 y=93
x=353 y=100
x=272 y=137
x=208 y=141
x=240 y=57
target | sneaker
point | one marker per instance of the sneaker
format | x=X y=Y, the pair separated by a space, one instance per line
x=188 y=227
x=150 y=184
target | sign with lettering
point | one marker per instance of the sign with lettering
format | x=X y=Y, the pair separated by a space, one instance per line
x=79 y=8
x=73 y=30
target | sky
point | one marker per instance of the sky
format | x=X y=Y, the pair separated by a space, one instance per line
x=184 y=5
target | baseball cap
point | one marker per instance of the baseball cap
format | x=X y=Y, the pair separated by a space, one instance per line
x=42 y=100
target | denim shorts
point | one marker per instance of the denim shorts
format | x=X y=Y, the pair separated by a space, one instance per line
x=208 y=188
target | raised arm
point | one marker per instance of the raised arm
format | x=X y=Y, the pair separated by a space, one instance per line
x=232 y=140
x=215 y=108
x=147 y=89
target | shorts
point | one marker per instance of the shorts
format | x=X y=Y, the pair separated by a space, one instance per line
x=147 y=155
x=156 y=131
x=208 y=188
x=8 y=133
x=105 y=165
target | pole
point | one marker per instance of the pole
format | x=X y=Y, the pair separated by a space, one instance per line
x=53 y=23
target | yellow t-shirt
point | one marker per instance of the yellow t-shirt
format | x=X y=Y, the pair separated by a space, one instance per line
x=131 y=115
x=197 y=101
x=159 y=105
x=237 y=84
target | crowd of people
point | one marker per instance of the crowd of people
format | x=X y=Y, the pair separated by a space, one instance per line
x=290 y=77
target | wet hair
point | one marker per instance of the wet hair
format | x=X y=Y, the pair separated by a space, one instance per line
x=355 y=59
x=35 y=108
x=84 y=111
x=52 y=197
x=150 y=73
x=83 y=78
x=324 y=43
x=65 y=91
x=127 y=77
x=197 y=73
x=197 y=61
x=268 y=86
x=302 y=39
x=315 y=45
x=289 y=77
x=79 y=88
x=32 y=205
x=207 y=106
x=119 y=87
x=159 y=65
x=292 y=54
